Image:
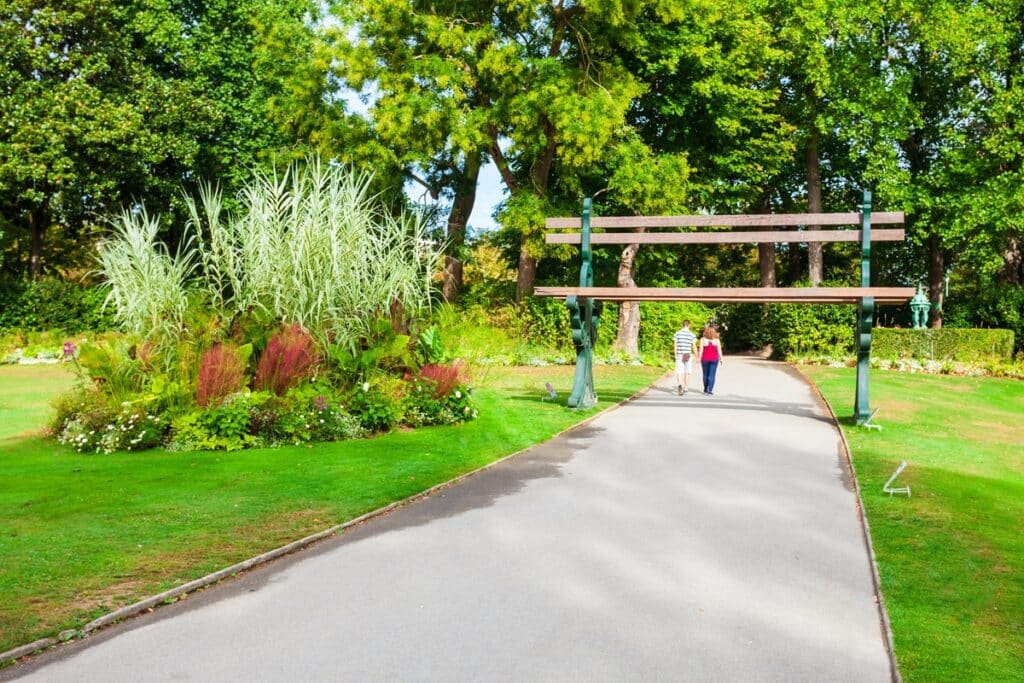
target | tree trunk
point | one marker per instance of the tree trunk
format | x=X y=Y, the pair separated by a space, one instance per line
x=1013 y=262
x=936 y=278
x=462 y=207
x=766 y=259
x=766 y=253
x=627 y=337
x=37 y=225
x=815 y=262
x=526 y=275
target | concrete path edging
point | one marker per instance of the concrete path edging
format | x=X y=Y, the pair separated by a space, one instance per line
x=169 y=596
x=883 y=613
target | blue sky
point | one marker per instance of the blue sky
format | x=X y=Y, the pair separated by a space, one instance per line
x=489 y=189
x=489 y=193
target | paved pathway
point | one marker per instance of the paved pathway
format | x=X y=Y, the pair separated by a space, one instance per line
x=684 y=538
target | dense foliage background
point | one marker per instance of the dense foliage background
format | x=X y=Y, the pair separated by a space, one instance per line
x=657 y=106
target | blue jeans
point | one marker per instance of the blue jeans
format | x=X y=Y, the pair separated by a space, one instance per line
x=710 y=367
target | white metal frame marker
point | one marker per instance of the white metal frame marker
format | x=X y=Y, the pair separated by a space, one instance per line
x=888 y=488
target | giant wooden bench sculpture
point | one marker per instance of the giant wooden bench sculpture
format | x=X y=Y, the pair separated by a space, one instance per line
x=584 y=301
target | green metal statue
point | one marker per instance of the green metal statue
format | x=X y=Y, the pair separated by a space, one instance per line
x=919 y=306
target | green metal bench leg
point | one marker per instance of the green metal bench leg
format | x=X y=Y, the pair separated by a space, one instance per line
x=865 y=320
x=584 y=315
x=865 y=317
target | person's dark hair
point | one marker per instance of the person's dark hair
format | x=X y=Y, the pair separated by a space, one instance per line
x=686 y=323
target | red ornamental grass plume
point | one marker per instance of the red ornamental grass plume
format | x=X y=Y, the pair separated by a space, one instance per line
x=221 y=372
x=444 y=377
x=288 y=358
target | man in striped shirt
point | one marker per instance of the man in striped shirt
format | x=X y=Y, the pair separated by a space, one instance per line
x=684 y=340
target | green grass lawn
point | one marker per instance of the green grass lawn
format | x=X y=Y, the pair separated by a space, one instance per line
x=25 y=395
x=951 y=557
x=83 y=534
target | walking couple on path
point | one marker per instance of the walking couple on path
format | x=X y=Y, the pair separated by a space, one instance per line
x=708 y=348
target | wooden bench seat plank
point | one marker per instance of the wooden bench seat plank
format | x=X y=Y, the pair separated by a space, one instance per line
x=882 y=235
x=739 y=220
x=825 y=295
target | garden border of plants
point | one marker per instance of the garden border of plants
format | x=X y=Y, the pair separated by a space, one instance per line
x=865 y=528
x=170 y=596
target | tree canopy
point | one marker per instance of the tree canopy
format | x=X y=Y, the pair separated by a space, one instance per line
x=104 y=103
x=658 y=106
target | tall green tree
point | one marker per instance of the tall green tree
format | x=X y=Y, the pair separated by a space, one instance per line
x=534 y=86
x=426 y=68
x=929 y=88
x=712 y=93
x=104 y=103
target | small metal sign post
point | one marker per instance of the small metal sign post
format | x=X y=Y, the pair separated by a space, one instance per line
x=888 y=488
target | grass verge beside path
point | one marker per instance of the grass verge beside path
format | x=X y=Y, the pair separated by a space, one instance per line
x=951 y=557
x=81 y=535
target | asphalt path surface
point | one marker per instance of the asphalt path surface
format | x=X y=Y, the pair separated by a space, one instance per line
x=676 y=538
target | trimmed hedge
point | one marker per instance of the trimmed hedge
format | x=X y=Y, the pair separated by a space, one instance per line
x=659 y=321
x=946 y=343
x=52 y=303
x=791 y=329
x=545 y=323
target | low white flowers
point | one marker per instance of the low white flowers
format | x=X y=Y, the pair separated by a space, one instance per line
x=458 y=394
x=366 y=386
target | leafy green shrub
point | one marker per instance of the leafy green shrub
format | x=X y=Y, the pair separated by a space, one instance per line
x=541 y=322
x=988 y=304
x=376 y=411
x=72 y=404
x=424 y=407
x=487 y=276
x=659 y=321
x=789 y=328
x=53 y=303
x=946 y=343
x=383 y=350
x=306 y=413
x=467 y=332
x=225 y=427
x=429 y=346
x=112 y=366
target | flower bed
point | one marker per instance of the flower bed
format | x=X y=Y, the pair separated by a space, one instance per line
x=297 y=319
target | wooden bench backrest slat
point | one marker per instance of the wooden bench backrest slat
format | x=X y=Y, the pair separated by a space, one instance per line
x=882 y=235
x=825 y=295
x=741 y=220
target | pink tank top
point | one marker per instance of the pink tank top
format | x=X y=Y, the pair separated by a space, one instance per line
x=709 y=352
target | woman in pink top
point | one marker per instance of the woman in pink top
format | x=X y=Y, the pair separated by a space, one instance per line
x=710 y=357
